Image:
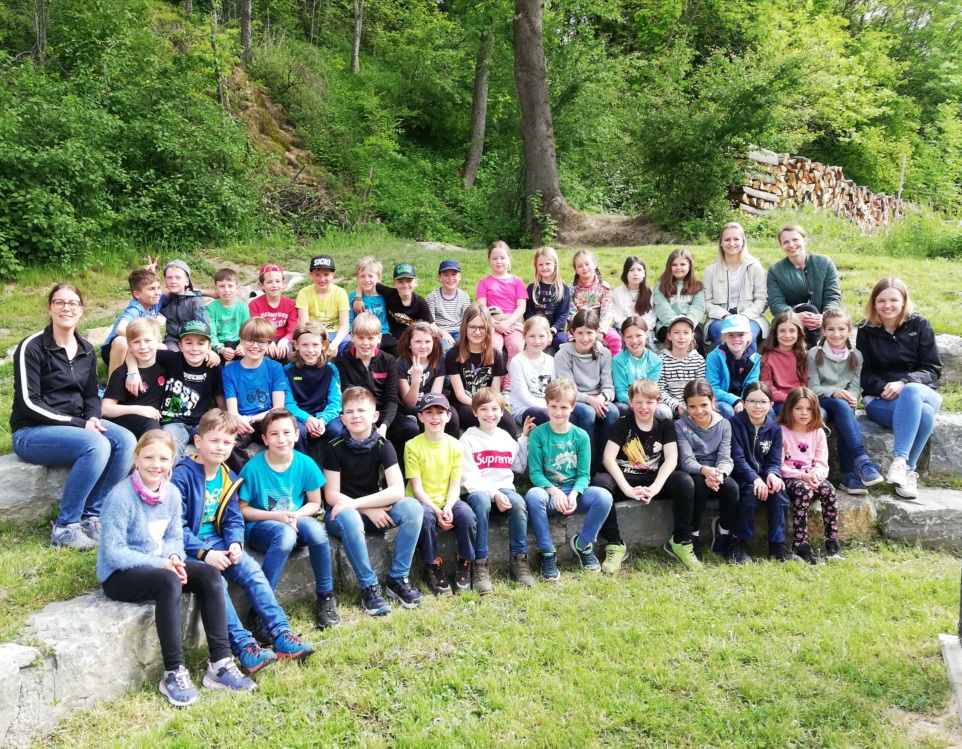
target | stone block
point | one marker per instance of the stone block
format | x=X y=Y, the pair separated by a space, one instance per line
x=15 y=664
x=950 y=349
x=945 y=445
x=933 y=520
x=24 y=493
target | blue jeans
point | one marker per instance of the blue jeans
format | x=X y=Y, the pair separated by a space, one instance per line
x=248 y=575
x=584 y=416
x=465 y=525
x=725 y=410
x=100 y=462
x=277 y=540
x=182 y=434
x=911 y=416
x=594 y=504
x=350 y=526
x=715 y=326
x=482 y=503
x=314 y=446
x=851 y=451
x=776 y=506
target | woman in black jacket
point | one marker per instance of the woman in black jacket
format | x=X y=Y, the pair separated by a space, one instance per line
x=56 y=419
x=900 y=367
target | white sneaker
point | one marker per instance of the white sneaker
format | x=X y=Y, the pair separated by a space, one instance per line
x=909 y=489
x=896 y=473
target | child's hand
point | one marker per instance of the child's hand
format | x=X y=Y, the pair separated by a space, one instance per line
x=643 y=493
x=234 y=551
x=738 y=407
x=133 y=382
x=178 y=567
x=529 y=425
x=151 y=263
x=148 y=412
x=213 y=359
x=447 y=337
x=378 y=516
x=775 y=483
x=572 y=502
x=217 y=559
x=382 y=430
x=680 y=410
x=845 y=396
x=282 y=348
x=810 y=479
x=761 y=489
x=290 y=518
x=503 y=503
x=599 y=405
x=558 y=497
x=445 y=519
x=227 y=354
x=314 y=426
x=358 y=304
x=243 y=424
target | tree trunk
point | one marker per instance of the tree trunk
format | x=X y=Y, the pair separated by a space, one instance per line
x=189 y=7
x=245 y=31
x=356 y=48
x=479 y=110
x=41 y=22
x=537 y=128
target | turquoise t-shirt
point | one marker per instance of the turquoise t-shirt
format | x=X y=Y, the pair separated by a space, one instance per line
x=213 y=491
x=280 y=491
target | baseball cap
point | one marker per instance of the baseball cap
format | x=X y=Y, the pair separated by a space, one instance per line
x=681 y=318
x=271 y=268
x=195 y=327
x=449 y=265
x=434 y=399
x=322 y=262
x=183 y=266
x=736 y=324
x=404 y=270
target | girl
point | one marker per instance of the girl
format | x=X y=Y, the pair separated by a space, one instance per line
x=733 y=364
x=704 y=452
x=834 y=372
x=506 y=297
x=588 y=364
x=900 y=367
x=679 y=292
x=680 y=364
x=735 y=284
x=142 y=559
x=805 y=470
x=420 y=370
x=633 y=297
x=315 y=390
x=784 y=357
x=635 y=362
x=531 y=372
x=590 y=292
x=549 y=296
x=475 y=363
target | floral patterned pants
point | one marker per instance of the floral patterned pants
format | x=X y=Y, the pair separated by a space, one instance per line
x=802 y=495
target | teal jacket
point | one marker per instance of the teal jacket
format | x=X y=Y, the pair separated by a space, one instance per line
x=787 y=284
x=718 y=376
x=625 y=369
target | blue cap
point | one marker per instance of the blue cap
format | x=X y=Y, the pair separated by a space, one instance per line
x=736 y=324
x=434 y=399
x=449 y=265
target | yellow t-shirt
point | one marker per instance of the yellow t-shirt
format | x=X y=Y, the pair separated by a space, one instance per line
x=323 y=309
x=435 y=463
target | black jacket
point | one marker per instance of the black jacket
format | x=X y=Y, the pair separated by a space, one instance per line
x=380 y=379
x=907 y=355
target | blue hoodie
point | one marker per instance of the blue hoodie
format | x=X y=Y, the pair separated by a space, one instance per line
x=756 y=451
x=718 y=374
x=190 y=478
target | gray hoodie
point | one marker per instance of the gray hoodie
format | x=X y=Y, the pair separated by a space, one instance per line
x=699 y=447
x=591 y=372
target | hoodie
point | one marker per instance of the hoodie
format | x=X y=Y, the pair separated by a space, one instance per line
x=698 y=447
x=491 y=460
x=590 y=372
x=190 y=478
x=756 y=451
x=718 y=372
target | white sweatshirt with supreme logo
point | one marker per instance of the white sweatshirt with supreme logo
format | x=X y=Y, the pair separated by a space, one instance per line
x=490 y=461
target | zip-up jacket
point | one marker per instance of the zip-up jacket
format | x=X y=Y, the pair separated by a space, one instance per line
x=626 y=368
x=315 y=391
x=756 y=451
x=718 y=374
x=380 y=379
x=190 y=478
x=907 y=355
x=179 y=310
x=752 y=294
x=825 y=378
x=817 y=283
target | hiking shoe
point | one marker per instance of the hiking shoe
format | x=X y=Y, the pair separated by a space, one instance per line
x=437 y=582
x=696 y=546
x=177 y=687
x=683 y=553
x=462 y=575
x=373 y=601
x=71 y=535
x=869 y=473
x=780 y=552
x=719 y=541
x=253 y=657
x=832 y=549
x=549 y=566
x=615 y=556
x=481 y=577
x=289 y=645
x=738 y=552
x=586 y=555
x=521 y=570
x=91 y=527
x=225 y=675
x=253 y=625
x=852 y=484
x=325 y=611
x=408 y=597
x=910 y=488
x=805 y=553
x=896 y=473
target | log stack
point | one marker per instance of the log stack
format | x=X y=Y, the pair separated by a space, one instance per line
x=774 y=180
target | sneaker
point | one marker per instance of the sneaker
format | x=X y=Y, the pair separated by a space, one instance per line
x=910 y=488
x=738 y=552
x=177 y=687
x=71 y=535
x=832 y=549
x=683 y=553
x=852 y=484
x=615 y=556
x=719 y=541
x=586 y=555
x=253 y=657
x=696 y=546
x=896 y=473
x=780 y=552
x=91 y=528
x=549 y=566
x=253 y=625
x=481 y=577
x=521 y=570
x=408 y=597
x=869 y=473
x=437 y=582
x=289 y=645
x=373 y=601
x=462 y=575
x=325 y=611
x=805 y=553
x=225 y=675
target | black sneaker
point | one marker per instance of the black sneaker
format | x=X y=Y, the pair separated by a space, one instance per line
x=738 y=552
x=373 y=601
x=400 y=589
x=696 y=546
x=832 y=549
x=804 y=551
x=437 y=582
x=253 y=625
x=462 y=576
x=719 y=541
x=780 y=552
x=325 y=611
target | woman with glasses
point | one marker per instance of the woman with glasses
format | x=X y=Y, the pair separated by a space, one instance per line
x=56 y=419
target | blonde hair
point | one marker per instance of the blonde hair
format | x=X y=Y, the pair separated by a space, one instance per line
x=644 y=389
x=369 y=262
x=561 y=389
x=487 y=346
x=152 y=437
x=217 y=420
x=142 y=326
x=889 y=282
x=257 y=328
x=557 y=285
x=311 y=327
x=357 y=393
x=594 y=261
x=536 y=322
x=741 y=230
x=366 y=324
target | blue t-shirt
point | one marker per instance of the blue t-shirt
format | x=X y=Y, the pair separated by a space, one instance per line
x=284 y=491
x=253 y=387
x=135 y=310
x=374 y=305
x=213 y=490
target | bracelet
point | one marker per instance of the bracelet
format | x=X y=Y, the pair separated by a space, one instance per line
x=131 y=375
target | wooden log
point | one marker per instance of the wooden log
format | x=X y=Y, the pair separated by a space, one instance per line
x=760 y=194
x=768 y=179
x=764 y=156
x=752 y=211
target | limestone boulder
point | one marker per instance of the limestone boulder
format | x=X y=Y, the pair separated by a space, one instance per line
x=18 y=667
x=934 y=519
x=950 y=349
x=25 y=492
x=945 y=446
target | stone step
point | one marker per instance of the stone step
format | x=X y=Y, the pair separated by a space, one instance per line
x=932 y=520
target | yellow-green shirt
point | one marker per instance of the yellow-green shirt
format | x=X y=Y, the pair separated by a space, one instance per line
x=435 y=463
x=323 y=309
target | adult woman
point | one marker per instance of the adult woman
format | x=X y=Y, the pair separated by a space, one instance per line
x=735 y=284
x=56 y=419
x=803 y=282
x=900 y=365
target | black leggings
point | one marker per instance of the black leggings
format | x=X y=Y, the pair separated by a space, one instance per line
x=163 y=587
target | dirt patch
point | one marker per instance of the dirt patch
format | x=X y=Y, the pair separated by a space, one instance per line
x=606 y=230
x=440 y=247
x=943 y=727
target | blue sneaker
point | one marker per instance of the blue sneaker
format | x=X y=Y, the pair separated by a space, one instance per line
x=177 y=687
x=549 y=566
x=586 y=555
x=373 y=602
x=253 y=657
x=869 y=473
x=225 y=675
x=851 y=484
x=289 y=645
x=400 y=589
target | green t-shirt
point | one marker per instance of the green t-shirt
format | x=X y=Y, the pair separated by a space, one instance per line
x=560 y=460
x=213 y=491
x=225 y=322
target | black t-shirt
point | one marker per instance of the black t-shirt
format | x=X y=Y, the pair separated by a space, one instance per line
x=474 y=375
x=361 y=473
x=400 y=315
x=190 y=391
x=153 y=380
x=428 y=376
x=640 y=453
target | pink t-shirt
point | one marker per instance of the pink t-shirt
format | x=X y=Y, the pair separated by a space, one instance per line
x=804 y=453
x=283 y=317
x=506 y=293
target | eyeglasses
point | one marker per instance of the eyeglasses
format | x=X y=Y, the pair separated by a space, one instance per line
x=73 y=305
x=252 y=342
x=476 y=328
x=757 y=403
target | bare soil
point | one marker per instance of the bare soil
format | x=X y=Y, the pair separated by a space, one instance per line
x=943 y=727
x=607 y=230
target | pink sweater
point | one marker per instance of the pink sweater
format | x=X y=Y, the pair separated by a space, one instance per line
x=804 y=452
x=780 y=373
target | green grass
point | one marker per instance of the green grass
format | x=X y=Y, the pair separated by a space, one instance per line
x=760 y=656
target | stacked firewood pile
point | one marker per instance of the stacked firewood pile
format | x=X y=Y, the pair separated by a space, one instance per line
x=773 y=180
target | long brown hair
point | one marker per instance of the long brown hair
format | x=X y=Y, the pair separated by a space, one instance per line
x=487 y=347
x=643 y=300
x=794 y=396
x=800 y=350
x=404 y=345
x=690 y=285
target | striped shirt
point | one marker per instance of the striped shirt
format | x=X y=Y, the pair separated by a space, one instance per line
x=676 y=373
x=448 y=312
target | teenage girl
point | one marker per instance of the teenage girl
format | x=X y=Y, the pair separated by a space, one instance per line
x=589 y=291
x=784 y=357
x=141 y=558
x=420 y=370
x=635 y=362
x=531 y=372
x=633 y=297
x=549 y=296
x=315 y=390
x=805 y=471
x=508 y=295
x=681 y=364
x=679 y=292
x=834 y=374
x=474 y=363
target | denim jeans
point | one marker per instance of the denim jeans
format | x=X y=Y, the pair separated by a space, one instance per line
x=465 y=525
x=182 y=434
x=277 y=540
x=584 y=416
x=99 y=462
x=911 y=416
x=248 y=575
x=540 y=416
x=350 y=526
x=313 y=447
x=725 y=410
x=594 y=504
x=851 y=451
x=481 y=503
x=776 y=506
x=715 y=326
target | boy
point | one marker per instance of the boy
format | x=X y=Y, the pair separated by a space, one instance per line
x=145 y=290
x=433 y=461
x=226 y=315
x=279 y=498
x=490 y=456
x=402 y=304
x=279 y=310
x=447 y=303
x=138 y=412
x=359 y=500
x=369 y=272
x=324 y=301
x=559 y=456
x=214 y=534
x=253 y=386
x=182 y=303
x=732 y=365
